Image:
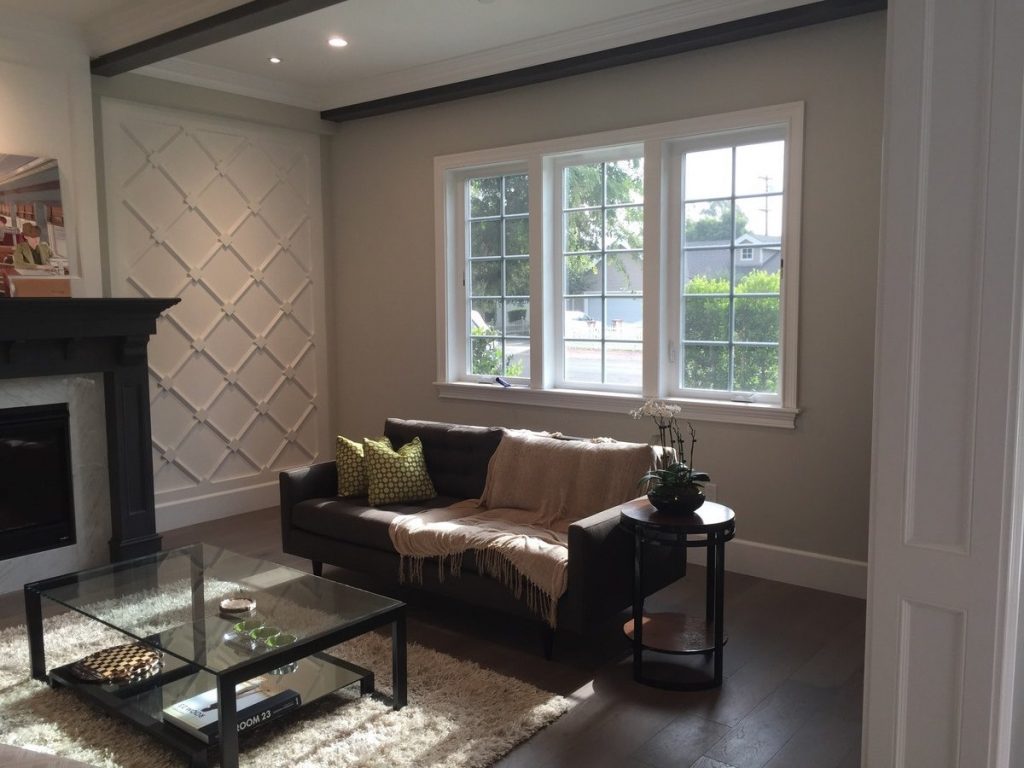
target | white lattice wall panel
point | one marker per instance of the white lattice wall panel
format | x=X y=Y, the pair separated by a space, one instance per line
x=227 y=217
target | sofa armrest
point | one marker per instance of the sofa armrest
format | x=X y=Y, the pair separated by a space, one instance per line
x=318 y=481
x=601 y=568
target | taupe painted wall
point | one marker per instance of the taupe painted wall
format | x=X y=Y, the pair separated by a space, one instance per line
x=805 y=488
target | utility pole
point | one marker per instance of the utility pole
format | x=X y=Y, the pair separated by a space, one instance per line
x=767 y=187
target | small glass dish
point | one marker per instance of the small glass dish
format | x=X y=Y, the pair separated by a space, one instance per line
x=247 y=626
x=279 y=640
x=264 y=634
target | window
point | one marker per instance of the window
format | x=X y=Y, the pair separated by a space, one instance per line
x=497 y=276
x=730 y=318
x=602 y=220
x=596 y=271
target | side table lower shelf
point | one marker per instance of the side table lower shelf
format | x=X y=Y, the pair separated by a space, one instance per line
x=675 y=633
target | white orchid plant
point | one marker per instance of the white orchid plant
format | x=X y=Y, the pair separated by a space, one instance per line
x=679 y=474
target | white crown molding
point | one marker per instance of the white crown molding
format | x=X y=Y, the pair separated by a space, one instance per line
x=230 y=81
x=636 y=27
x=148 y=18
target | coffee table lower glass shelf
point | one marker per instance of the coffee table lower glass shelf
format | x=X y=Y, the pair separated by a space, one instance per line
x=143 y=702
x=203 y=649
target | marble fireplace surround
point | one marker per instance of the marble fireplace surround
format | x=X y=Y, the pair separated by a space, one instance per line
x=50 y=337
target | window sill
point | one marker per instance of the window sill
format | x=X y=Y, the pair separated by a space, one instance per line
x=726 y=412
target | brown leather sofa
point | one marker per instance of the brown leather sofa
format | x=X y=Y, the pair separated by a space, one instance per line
x=318 y=524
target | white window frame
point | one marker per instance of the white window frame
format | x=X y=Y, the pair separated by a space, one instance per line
x=661 y=298
x=785 y=399
x=459 y=196
x=557 y=288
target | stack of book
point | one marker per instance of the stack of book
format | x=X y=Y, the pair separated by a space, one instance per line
x=255 y=704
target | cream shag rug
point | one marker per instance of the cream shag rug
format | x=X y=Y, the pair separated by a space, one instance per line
x=460 y=715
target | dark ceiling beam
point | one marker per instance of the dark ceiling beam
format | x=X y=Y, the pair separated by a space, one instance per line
x=706 y=37
x=233 y=22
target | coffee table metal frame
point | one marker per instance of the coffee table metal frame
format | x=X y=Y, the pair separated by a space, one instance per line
x=713 y=525
x=197 y=751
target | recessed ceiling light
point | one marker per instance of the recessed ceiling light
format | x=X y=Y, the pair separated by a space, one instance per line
x=274 y=60
x=337 y=42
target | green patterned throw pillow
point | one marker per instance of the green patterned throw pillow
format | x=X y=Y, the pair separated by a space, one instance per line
x=398 y=476
x=352 y=466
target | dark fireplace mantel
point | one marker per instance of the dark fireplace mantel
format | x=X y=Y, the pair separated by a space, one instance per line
x=57 y=337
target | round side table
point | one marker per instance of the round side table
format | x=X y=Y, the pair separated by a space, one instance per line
x=710 y=526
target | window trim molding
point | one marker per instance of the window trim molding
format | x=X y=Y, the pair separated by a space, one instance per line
x=539 y=158
x=724 y=411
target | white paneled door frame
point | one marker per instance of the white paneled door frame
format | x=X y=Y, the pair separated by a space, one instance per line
x=944 y=576
x=226 y=216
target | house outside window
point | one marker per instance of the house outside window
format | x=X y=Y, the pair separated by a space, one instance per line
x=597 y=271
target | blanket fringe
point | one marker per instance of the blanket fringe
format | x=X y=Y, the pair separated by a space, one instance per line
x=491 y=563
x=410 y=569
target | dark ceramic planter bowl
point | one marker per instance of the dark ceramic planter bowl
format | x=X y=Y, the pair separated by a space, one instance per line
x=675 y=501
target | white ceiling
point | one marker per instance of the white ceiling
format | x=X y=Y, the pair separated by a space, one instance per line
x=395 y=46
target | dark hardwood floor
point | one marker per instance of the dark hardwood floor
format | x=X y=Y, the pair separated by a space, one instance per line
x=793 y=670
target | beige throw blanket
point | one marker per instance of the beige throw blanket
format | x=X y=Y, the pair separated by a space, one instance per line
x=536 y=486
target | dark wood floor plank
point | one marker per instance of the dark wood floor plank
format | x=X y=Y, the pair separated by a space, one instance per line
x=684 y=740
x=757 y=738
x=839 y=658
x=707 y=762
x=822 y=742
x=608 y=741
x=852 y=759
x=849 y=704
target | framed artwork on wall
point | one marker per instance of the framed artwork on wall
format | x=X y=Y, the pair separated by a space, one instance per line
x=34 y=257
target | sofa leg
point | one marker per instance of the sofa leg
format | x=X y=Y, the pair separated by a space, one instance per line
x=318 y=568
x=549 y=641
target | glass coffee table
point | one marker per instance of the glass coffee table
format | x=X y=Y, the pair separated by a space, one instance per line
x=171 y=602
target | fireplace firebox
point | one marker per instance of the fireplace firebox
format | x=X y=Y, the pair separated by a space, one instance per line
x=37 y=508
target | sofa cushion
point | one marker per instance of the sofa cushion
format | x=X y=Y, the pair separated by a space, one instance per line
x=456 y=455
x=354 y=520
x=351 y=461
x=396 y=477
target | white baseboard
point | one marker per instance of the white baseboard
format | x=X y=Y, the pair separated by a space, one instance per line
x=792 y=566
x=213 y=506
